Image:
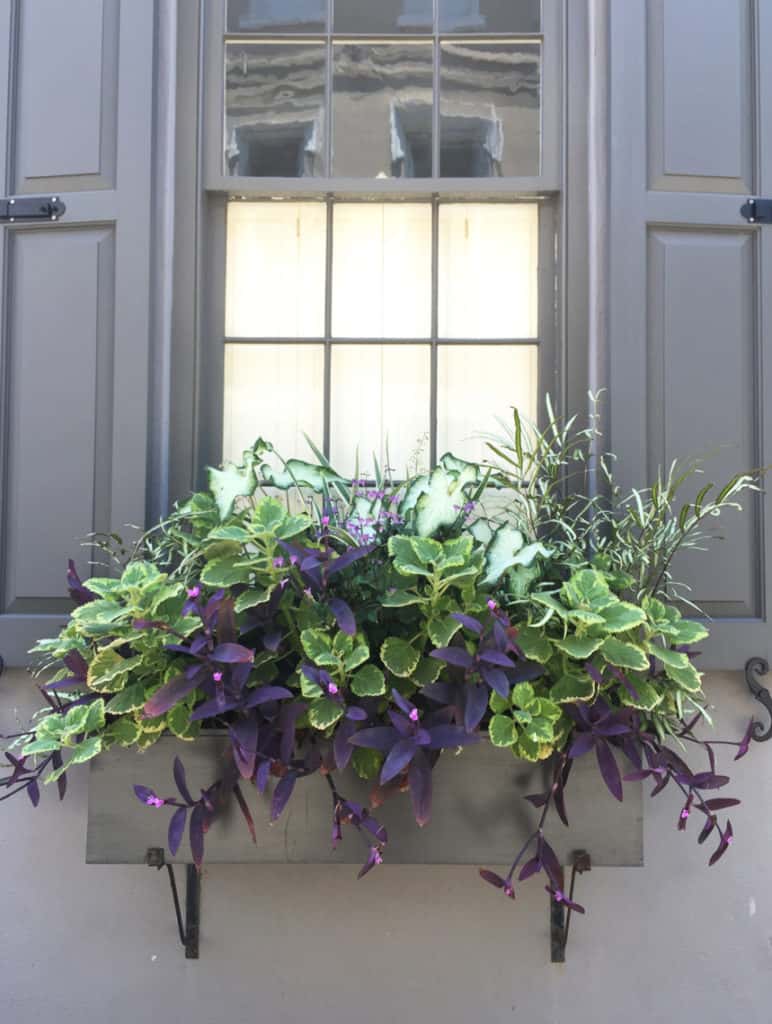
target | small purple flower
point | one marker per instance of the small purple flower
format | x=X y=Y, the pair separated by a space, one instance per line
x=413 y=716
x=278 y=563
x=492 y=606
x=294 y=559
x=332 y=689
x=325 y=521
x=217 y=676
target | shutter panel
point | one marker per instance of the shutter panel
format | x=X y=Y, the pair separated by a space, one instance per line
x=691 y=280
x=76 y=86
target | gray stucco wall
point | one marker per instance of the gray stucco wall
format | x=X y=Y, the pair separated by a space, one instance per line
x=674 y=941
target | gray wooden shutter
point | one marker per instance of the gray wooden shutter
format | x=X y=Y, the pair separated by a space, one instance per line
x=691 y=281
x=76 y=84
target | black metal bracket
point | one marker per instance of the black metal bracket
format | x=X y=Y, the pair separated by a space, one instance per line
x=754 y=668
x=757 y=211
x=560 y=919
x=189 y=930
x=24 y=208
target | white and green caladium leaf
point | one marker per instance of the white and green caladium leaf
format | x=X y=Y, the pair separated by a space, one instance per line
x=622 y=616
x=399 y=657
x=442 y=504
x=572 y=688
x=369 y=682
x=502 y=731
x=500 y=554
x=624 y=655
x=305 y=474
x=324 y=712
x=231 y=482
x=579 y=648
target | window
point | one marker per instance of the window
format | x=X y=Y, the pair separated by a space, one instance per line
x=389 y=170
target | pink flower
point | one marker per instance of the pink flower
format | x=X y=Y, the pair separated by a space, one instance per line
x=217 y=676
x=278 y=562
x=194 y=592
x=414 y=715
x=492 y=606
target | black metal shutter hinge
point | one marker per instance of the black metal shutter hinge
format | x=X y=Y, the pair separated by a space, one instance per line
x=757 y=211
x=24 y=208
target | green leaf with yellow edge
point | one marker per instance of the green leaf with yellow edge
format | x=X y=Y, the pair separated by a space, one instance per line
x=455 y=552
x=268 y=515
x=648 y=697
x=324 y=712
x=357 y=656
x=572 y=688
x=540 y=730
x=402 y=599
x=622 y=616
x=318 y=646
x=523 y=695
x=132 y=698
x=498 y=704
x=670 y=658
x=366 y=763
x=502 y=731
x=687 y=631
x=225 y=572
x=252 y=598
x=369 y=682
x=534 y=644
x=427 y=551
x=109 y=672
x=178 y=720
x=427 y=671
x=405 y=560
x=442 y=631
x=579 y=648
x=687 y=678
x=624 y=655
x=42 y=745
x=124 y=732
x=399 y=657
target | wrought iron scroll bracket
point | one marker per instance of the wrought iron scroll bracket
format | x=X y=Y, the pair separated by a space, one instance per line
x=560 y=918
x=188 y=928
x=755 y=668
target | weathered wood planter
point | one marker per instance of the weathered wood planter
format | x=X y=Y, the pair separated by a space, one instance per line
x=479 y=816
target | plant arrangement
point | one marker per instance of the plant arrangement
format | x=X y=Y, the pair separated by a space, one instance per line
x=331 y=625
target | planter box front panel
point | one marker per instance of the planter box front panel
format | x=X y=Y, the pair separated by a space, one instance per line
x=479 y=816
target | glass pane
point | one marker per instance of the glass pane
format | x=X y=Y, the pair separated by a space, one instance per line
x=277 y=15
x=478 y=386
x=274 y=392
x=382 y=270
x=490 y=15
x=274 y=283
x=380 y=404
x=274 y=109
x=382 y=110
x=384 y=16
x=488 y=270
x=490 y=119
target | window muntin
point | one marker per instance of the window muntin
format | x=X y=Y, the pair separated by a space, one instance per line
x=469 y=269
x=392 y=91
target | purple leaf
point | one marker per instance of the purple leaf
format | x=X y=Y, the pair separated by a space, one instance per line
x=707 y=780
x=400 y=755
x=244 y=745
x=449 y=736
x=707 y=828
x=33 y=792
x=496 y=658
x=355 y=714
x=498 y=680
x=351 y=556
x=382 y=738
x=583 y=744
x=531 y=867
x=176 y=829
x=402 y=702
x=403 y=725
x=609 y=769
x=77 y=664
x=723 y=846
x=374 y=857
x=475 y=707
x=197 y=835
x=245 y=812
x=281 y=794
x=453 y=656
x=232 y=654
x=468 y=622
x=551 y=864
x=440 y=693
x=343 y=616
x=721 y=803
x=262 y=775
x=745 y=742
x=341 y=747
x=78 y=592
x=537 y=799
x=172 y=693
x=61 y=782
x=148 y=797
x=179 y=778
x=527 y=671
x=266 y=694
x=419 y=777
x=492 y=878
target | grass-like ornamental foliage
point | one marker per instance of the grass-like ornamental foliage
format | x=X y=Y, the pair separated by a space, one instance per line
x=329 y=624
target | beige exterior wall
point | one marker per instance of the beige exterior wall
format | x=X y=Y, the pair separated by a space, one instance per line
x=671 y=943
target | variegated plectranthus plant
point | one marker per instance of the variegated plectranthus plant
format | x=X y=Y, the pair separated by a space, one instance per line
x=341 y=626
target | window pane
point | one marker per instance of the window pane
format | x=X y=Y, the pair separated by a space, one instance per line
x=382 y=110
x=490 y=15
x=274 y=392
x=380 y=404
x=382 y=270
x=490 y=120
x=488 y=270
x=275 y=270
x=274 y=105
x=477 y=388
x=383 y=16
x=277 y=15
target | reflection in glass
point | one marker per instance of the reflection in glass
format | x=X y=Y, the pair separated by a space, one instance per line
x=478 y=385
x=274 y=282
x=382 y=110
x=274 y=392
x=382 y=270
x=383 y=16
x=274 y=109
x=490 y=15
x=488 y=270
x=490 y=110
x=380 y=405
x=277 y=15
